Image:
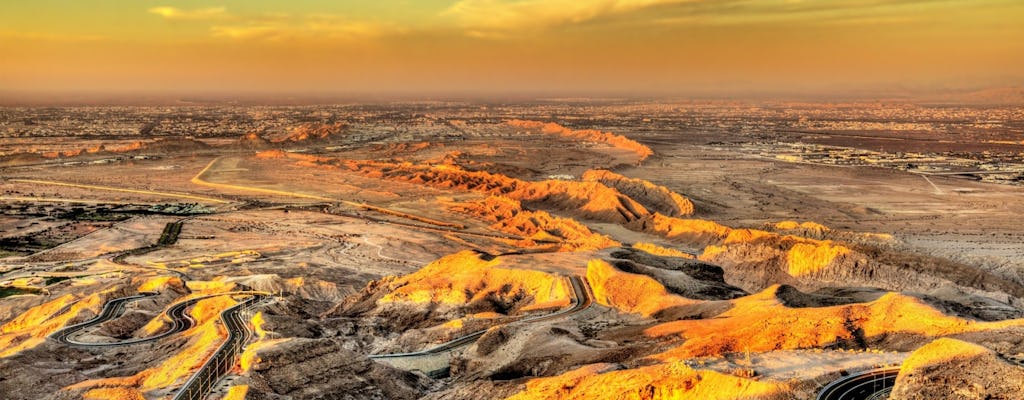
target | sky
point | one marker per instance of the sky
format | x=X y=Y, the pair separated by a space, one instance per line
x=565 y=47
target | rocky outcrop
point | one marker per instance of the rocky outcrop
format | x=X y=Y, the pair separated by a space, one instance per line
x=764 y=322
x=594 y=199
x=629 y=293
x=682 y=276
x=654 y=197
x=253 y=141
x=123 y=326
x=454 y=286
x=591 y=200
x=657 y=250
x=315 y=368
x=592 y=135
x=513 y=351
x=311 y=132
x=663 y=381
x=535 y=227
x=954 y=369
x=754 y=259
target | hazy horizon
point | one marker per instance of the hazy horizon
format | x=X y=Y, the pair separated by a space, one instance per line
x=993 y=95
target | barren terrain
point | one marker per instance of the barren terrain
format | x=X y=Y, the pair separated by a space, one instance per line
x=520 y=251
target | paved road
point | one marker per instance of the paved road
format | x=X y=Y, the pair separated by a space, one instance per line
x=581 y=300
x=215 y=367
x=176 y=313
x=868 y=385
x=112 y=309
x=123 y=190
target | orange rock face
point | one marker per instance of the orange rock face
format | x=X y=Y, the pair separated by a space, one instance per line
x=808 y=258
x=966 y=371
x=509 y=216
x=663 y=381
x=112 y=393
x=311 y=132
x=587 y=199
x=806 y=226
x=799 y=256
x=594 y=199
x=654 y=197
x=130 y=147
x=690 y=230
x=631 y=293
x=660 y=251
x=159 y=283
x=464 y=278
x=761 y=322
x=592 y=135
x=31 y=328
x=250 y=356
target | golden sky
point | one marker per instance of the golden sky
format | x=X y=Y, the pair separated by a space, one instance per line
x=511 y=46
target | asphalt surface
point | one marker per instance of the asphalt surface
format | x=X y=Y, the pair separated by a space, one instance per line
x=215 y=367
x=176 y=313
x=581 y=300
x=868 y=385
x=111 y=309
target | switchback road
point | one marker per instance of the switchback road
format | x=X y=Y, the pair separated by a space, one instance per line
x=215 y=367
x=112 y=309
x=175 y=313
x=873 y=384
x=434 y=359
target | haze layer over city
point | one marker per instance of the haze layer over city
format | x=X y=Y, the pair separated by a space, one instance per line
x=512 y=199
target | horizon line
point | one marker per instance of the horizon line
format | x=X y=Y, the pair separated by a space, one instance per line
x=21 y=97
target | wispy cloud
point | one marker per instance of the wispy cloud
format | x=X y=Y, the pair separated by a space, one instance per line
x=276 y=26
x=324 y=26
x=495 y=17
x=174 y=13
x=245 y=31
x=506 y=18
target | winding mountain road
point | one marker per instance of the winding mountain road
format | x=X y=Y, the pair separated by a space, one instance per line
x=215 y=367
x=111 y=309
x=581 y=300
x=176 y=313
x=873 y=384
x=200 y=383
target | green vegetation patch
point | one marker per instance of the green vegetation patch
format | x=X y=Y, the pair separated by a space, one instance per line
x=12 y=253
x=54 y=279
x=14 y=291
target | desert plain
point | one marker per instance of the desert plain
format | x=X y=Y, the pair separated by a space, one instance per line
x=574 y=249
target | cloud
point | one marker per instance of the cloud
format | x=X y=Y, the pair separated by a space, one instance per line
x=276 y=26
x=174 y=13
x=323 y=26
x=483 y=17
x=507 y=18
x=333 y=25
x=246 y=31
